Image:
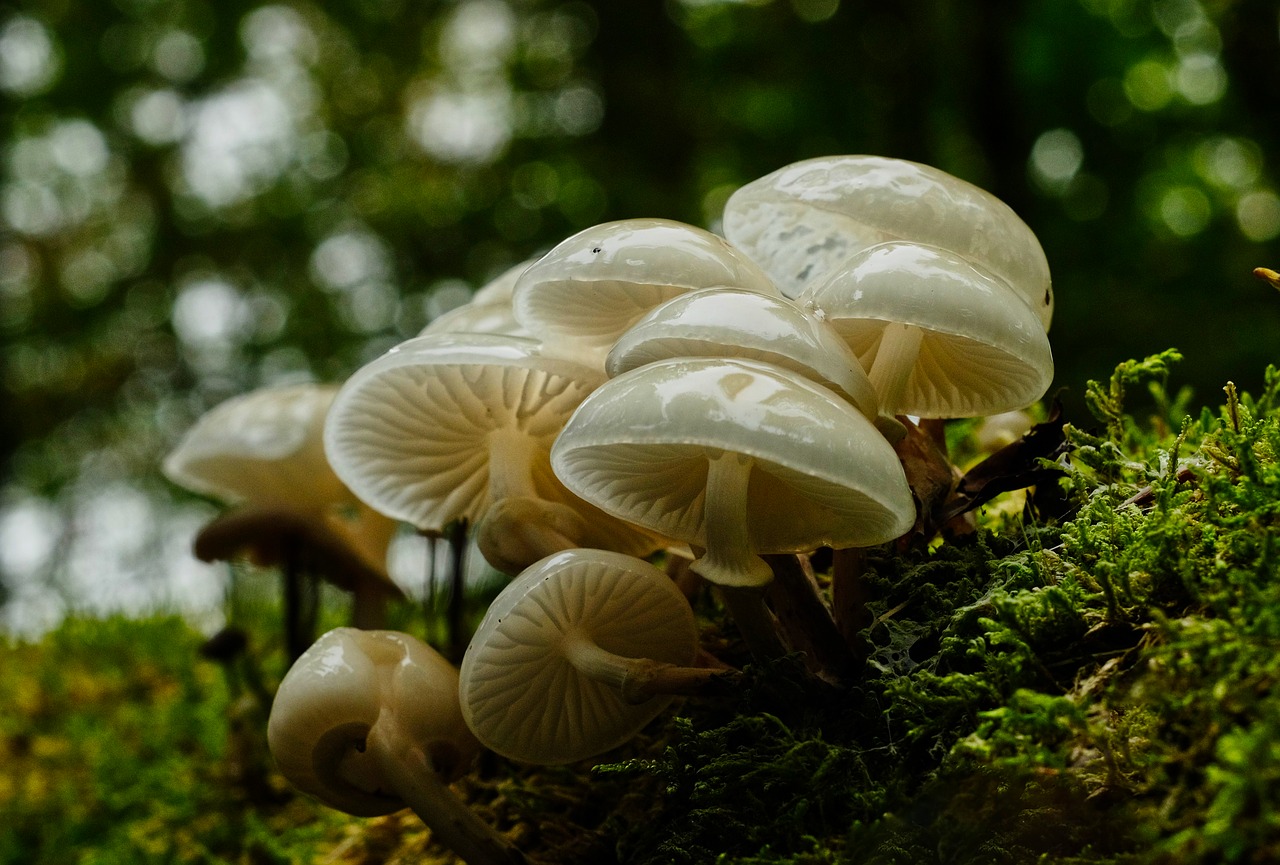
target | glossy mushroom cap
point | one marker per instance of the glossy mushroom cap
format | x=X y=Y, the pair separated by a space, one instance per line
x=521 y=693
x=728 y=322
x=982 y=350
x=801 y=221
x=264 y=448
x=338 y=690
x=444 y=425
x=582 y=295
x=641 y=445
x=264 y=453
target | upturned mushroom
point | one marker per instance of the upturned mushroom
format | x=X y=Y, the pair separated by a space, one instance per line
x=369 y=723
x=939 y=336
x=262 y=454
x=737 y=458
x=582 y=295
x=446 y=426
x=576 y=655
x=801 y=221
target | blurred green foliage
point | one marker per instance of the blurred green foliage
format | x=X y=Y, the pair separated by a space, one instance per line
x=200 y=198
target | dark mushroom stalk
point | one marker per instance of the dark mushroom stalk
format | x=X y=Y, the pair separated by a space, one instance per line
x=368 y=722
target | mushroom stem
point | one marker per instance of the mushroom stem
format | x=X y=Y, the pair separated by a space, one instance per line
x=849 y=594
x=516 y=532
x=729 y=559
x=637 y=679
x=804 y=618
x=408 y=771
x=895 y=358
x=300 y=599
x=511 y=458
x=457 y=613
x=755 y=621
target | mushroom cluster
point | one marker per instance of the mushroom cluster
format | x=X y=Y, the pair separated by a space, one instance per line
x=649 y=388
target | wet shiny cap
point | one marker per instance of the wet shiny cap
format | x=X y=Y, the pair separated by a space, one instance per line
x=981 y=351
x=594 y=285
x=640 y=445
x=727 y=322
x=801 y=221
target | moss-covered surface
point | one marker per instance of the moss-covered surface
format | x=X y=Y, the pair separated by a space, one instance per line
x=1090 y=678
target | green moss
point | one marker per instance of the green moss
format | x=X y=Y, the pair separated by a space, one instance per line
x=1100 y=686
x=1097 y=681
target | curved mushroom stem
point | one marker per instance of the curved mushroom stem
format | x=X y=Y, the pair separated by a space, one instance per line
x=638 y=679
x=407 y=769
x=516 y=532
x=895 y=358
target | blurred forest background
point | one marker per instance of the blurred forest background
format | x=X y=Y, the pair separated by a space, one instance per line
x=198 y=198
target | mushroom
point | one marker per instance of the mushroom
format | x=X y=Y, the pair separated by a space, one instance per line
x=582 y=295
x=737 y=458
x=728 y=322
x=262 y=453
x=801 y=221
x=444 y=426
x=939 y=336
x=576 y=655
x=368 y=722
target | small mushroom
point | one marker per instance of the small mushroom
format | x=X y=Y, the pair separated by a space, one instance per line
x=737 y=458
x=939 y=336
x=445 y=425
x=368 y=722
x=262 y=454
x=582 y=295
x=576 y=655
x=801 y=221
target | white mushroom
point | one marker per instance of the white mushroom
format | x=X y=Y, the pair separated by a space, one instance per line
x=581 y=296
x=262 y=453
x=443 y=426
x=369 y=723
x=728 y=322
x=801 y=221
x=939 y=336
x=576 y=655
x=737 y=458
